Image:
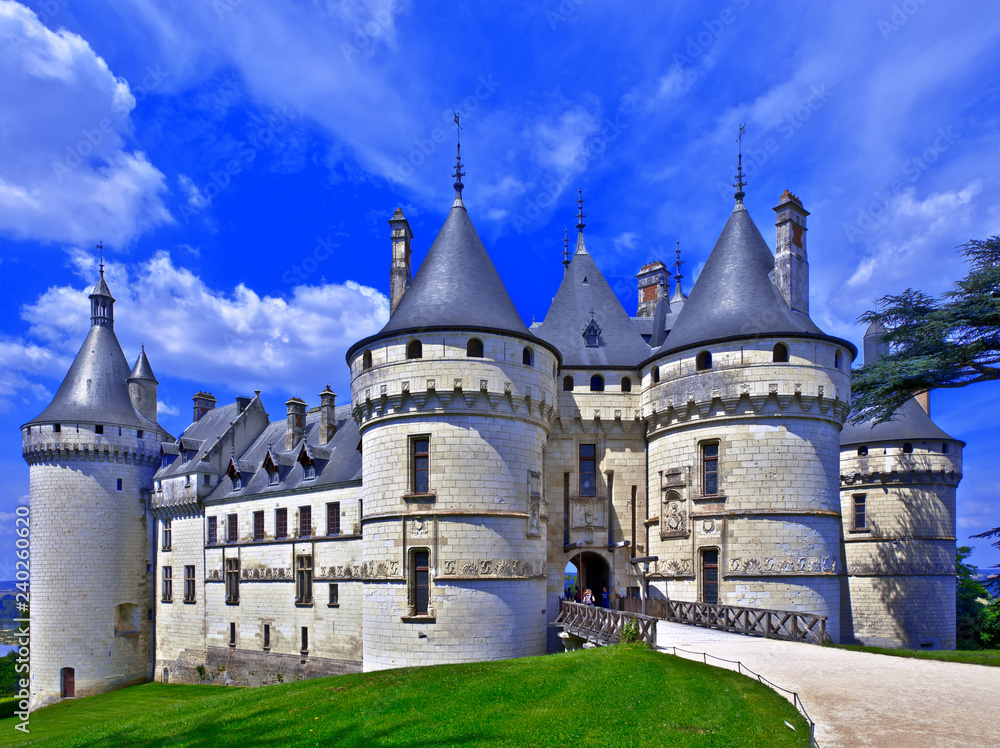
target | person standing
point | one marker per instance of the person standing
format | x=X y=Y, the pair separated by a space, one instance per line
x=605 y=597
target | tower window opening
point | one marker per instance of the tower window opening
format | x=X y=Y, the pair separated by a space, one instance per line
x=366 y=361
x=710 y=468
x=420 y=582
x=907 y=448
x=597 y=383
x=474 y=348
x=655 y=371
x=837 y=359
x=567 y=384
x=267 y=636
x=944 y=448
x=779 y=355
x=414 y=349
x=863 y=451
x=588 y=469
x=421 y=464
x=626 y=384
x=99 y=429
x=860 y=512
x=710 y=576
x=232 y=633
x=57 y=428
x=704 y=361
x=528 y=357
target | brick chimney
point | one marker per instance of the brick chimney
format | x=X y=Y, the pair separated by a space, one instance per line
x=791 y=263
x=296 y=425
x=203 y=402
x=654 y=284
x=327 y=420
x=399 y=273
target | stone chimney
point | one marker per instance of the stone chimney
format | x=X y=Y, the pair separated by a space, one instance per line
x=203 y=402
x=654 y=284
x=327 y=420
x=296 y=425
x=791 y=263
x=399 y=273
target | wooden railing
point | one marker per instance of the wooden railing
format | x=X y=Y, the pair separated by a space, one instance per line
x=772 y=624
x=603 y=626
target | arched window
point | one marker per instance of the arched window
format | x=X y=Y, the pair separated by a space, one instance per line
x=862 y=451
x=836 y=360
x=655 y=371
x=597 y=383
x=414 y=349
x=779 y=355
x=704 y=361
x=366 y=361
x=626 y=384
x=944 y=448
x=528 y=357
x=907 y=448
x=567 y=384
x=474 y=348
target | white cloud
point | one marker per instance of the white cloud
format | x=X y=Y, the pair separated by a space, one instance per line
x=625 y=241
x=67 y=172
x=164 y=409
x=195 y=197
x=294 y=340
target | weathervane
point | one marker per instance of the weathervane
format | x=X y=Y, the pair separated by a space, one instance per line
x=739 y=171
x=677 y=264
x=566 y=246
x=458 y=160
x=100 y=246
x=580 y=214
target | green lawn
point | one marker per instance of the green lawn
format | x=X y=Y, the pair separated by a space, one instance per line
x=614 y=696
x=989 y=657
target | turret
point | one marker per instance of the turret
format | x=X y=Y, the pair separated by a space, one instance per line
x=142 y=387
x=791 y=263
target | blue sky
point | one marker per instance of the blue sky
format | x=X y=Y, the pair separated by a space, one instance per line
x=240 y=160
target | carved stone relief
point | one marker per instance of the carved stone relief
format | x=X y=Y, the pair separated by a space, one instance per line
x=514 y=568
x=587 y=513
x=674 y=519
x=778 y=566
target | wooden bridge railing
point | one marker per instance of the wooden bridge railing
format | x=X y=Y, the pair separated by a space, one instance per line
x=601 y=625
x=772 y=624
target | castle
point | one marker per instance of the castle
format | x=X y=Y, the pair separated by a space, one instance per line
x=430 y=518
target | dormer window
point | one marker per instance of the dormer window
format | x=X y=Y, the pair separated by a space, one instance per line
x=592 y=335
x=237 y=482
x=273 y=477
x=310 y=471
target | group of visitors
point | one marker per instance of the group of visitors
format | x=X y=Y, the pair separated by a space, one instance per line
x=605 y=602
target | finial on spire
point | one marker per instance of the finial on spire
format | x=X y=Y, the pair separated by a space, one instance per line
x=739 y=171
x=677 y=264
x=100 y=246
x=566 y=246
x=458 y=161
x=580 y=214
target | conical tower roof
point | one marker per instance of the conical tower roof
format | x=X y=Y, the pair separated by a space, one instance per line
x=584 y=296
x=142 y=369
x=734 y=296
x=457 y=286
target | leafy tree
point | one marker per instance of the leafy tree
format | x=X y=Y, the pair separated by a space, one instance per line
x=951 y=341
x=977 y=617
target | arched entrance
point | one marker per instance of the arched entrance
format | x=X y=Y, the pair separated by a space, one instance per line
x=595 y=575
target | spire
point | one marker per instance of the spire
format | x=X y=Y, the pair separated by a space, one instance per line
x=739 y=171
x=458 y=165
x=580 y=215
x=677 y=265
x=102 y=303
x=566 y=247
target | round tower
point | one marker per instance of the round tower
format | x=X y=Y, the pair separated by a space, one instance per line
x=92 y=456
x=142 y=387
x=744 y=402
x=453 y=398
x=898 y=482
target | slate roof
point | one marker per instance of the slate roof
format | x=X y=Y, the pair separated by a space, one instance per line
x=200 y=436
x=95 y=389
x=142 y=369
x=734 y=296
x=457 y=286
x=910 y=423
x=584 y=288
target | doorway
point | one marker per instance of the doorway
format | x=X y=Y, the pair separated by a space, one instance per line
x=595 y=575
x=67 y=682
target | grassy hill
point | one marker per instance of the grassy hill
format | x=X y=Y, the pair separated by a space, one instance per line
x=615 y=696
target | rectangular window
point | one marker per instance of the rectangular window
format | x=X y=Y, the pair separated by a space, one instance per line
x=98 y=429
x=421 y=463
x=588 y=470
x=189 y=584
x=232 y=529
x=208 y=479
x=232 y=634
x=267 y=636
x=119 y=484
x=56 y=428
x=420 y=576
x=303 y=580
x=232 y=581
x=710 y=469
x=138 y=434
x=710 y=577
x=860 y=515
x=168 y=584
x=334 y=595
x=166 y=535
x=213 y=531
x=305 y=640
x=305 y=521
x=281 y=523
x=258 y=525
x=333 y=518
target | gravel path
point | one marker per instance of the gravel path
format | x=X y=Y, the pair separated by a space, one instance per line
x=859 y=699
